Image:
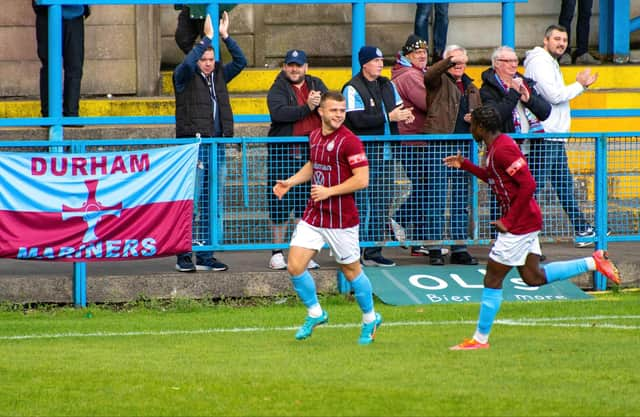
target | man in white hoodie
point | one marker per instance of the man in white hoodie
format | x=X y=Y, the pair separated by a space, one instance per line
x=548 y=157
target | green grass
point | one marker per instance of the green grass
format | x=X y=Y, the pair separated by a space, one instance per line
x=191 y=359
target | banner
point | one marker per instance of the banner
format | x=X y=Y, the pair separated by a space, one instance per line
x=108 y=206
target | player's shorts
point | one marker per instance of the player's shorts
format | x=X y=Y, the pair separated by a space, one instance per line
x=344 y=243
x=512 y=250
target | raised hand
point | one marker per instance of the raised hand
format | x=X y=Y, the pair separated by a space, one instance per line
x=454 y=161
x=223 y=27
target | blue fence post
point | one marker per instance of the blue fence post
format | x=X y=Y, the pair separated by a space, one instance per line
x=55 y=71
x=358 y=28
x=214 y=196
x=621 y=39
x=80 y=284
x=605 y=41
x=601 y=210
x=509 y=24
x=213 y=10
x=344 y=286
x=475 y=210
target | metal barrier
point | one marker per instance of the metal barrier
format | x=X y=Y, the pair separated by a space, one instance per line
x=434 y=204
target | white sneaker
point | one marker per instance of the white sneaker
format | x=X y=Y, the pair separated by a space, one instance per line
x=277 y=261
x=313 y=265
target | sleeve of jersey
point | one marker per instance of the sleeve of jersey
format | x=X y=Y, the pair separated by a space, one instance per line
x=516 y=167
x=469 y=166
x=356 y=156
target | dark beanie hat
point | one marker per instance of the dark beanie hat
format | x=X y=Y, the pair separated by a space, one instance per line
x=413 y=43
x=367 y=53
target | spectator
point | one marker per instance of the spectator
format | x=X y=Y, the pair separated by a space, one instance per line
x=408 y=77
x=374 y=107
x=548 y=158
x=72 y=55
x=293 y=101
x=203 y=109
x=518 y=103
x=337 y=167
x=440 y=23
x=581 y=55
x=451 y=96
x=191 y=23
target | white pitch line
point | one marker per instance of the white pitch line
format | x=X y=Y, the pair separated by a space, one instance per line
x=539 y=322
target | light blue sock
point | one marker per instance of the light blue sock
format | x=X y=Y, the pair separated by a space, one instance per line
x=557 y=271
x=305 y=287
x=491 y=301
x=363 y=292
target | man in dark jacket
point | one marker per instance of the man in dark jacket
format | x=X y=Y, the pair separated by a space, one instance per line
x=293 y=101
x=203 y=109
x=519 y=105
x=374 y=107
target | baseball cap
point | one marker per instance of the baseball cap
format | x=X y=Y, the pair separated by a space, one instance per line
x=295 y=56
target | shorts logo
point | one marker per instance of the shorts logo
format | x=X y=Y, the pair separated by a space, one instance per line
x=318 y=178
x=331 y=145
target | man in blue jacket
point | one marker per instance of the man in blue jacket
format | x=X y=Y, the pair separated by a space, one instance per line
x=203 y=109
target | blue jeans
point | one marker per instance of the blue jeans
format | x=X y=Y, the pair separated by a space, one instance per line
x=567 y=10
x=548 y=162
x=446 y=186
x=440 y=24
x=430 y=181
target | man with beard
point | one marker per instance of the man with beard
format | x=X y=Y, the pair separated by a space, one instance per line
x=548 y=157
x=293 y=101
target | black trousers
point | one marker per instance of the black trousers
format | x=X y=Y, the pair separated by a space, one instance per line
x=72 y=62
x=567 y=10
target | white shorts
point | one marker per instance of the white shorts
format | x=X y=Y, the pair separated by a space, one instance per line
x=512 y=250
x=344 y=243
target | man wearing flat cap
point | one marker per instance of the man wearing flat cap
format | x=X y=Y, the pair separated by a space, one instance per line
x=293 y=100
x=407 y=75
x=374 y=107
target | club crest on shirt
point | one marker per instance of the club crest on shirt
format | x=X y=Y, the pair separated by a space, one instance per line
x=331 y=145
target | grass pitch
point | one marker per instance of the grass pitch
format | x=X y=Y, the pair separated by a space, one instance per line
x=189 y=359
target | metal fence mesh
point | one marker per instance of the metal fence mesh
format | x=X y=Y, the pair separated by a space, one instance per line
x=236 y=209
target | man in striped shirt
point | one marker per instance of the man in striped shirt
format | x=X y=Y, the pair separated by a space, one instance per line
x=337 y=167
x=517 y=244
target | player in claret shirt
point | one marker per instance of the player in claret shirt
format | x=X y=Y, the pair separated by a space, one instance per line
x=337 y=168
x=517 y=244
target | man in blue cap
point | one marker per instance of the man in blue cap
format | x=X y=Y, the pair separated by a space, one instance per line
x=293 y=102
x=374 y=107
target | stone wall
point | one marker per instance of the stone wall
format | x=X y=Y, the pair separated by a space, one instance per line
x=127 y=45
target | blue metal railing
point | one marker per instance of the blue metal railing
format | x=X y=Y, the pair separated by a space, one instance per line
x=236 y=195
x=56 y=120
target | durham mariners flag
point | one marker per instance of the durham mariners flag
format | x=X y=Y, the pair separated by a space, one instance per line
x=97 y=206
